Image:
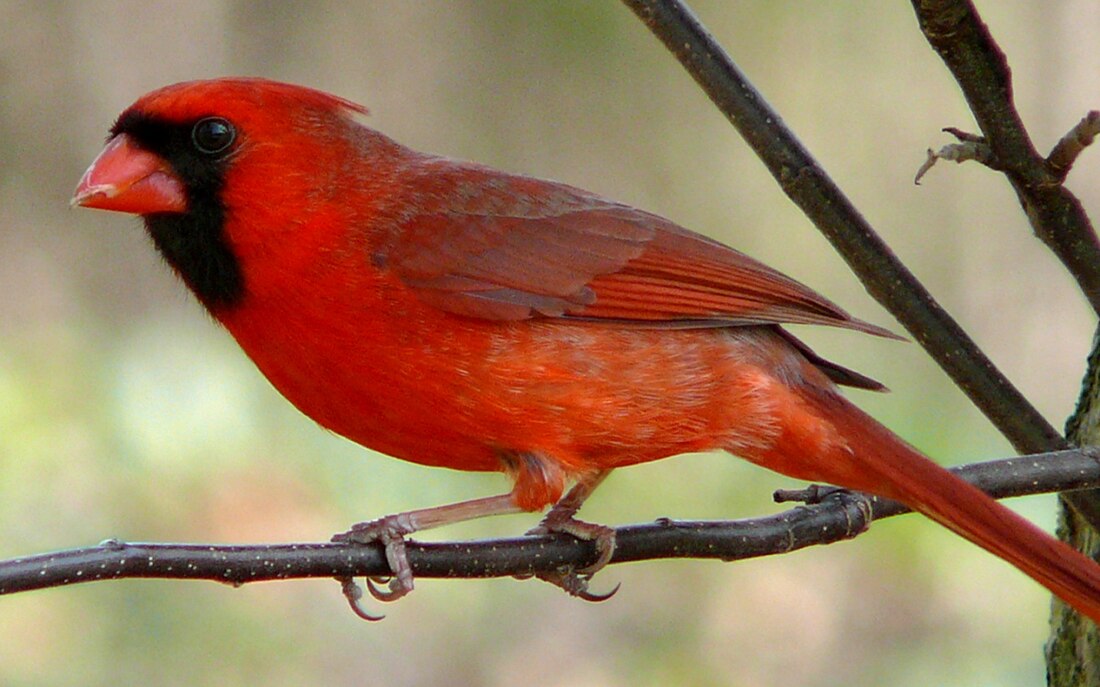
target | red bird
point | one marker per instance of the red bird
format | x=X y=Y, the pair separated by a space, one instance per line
x=451 y=314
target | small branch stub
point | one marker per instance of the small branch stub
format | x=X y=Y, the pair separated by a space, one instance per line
x=969 y=147
x=1071 y=145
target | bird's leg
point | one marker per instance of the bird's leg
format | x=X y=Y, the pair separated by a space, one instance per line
x=561 y=518
x=391 y=530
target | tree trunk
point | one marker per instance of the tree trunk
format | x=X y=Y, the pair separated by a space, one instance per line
x=1073 y=652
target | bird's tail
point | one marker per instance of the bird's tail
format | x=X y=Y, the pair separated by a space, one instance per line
x=839 y=444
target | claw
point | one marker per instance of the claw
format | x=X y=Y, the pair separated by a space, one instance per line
x=395 y=592
x=605 y=545
x=597 y=598
x=354 y=594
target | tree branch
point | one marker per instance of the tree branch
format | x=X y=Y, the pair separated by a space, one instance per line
x=956 y=32
x=840 y=515
x=962 y=40
x=884 y=276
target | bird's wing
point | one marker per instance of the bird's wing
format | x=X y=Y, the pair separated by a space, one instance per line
x=499 y=247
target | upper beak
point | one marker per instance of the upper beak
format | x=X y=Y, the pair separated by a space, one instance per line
x=128 y=179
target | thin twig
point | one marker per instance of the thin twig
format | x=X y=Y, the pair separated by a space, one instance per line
x=841 y=515
x=884 y=276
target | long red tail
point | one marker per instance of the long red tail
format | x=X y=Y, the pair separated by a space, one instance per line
x=869 y=457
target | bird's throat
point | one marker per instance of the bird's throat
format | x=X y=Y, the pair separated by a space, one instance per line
x=194 y=244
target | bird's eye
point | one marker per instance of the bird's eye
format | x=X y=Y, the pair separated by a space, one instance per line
x=213 y=135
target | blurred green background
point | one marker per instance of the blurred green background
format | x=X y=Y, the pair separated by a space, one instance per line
x=124 y=412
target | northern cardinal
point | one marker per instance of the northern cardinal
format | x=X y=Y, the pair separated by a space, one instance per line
x=450 y=314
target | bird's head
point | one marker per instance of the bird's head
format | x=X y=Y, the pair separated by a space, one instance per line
x=219 y=168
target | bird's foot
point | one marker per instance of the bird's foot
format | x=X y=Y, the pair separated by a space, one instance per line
x=575 y=582
x=390 y=531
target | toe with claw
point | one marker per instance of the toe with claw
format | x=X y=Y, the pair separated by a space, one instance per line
x=354 y=594
x=575 y=584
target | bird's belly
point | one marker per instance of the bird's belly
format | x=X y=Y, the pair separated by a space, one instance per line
x=468 y=394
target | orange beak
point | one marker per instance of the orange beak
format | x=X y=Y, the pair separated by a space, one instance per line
x=126 y=178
